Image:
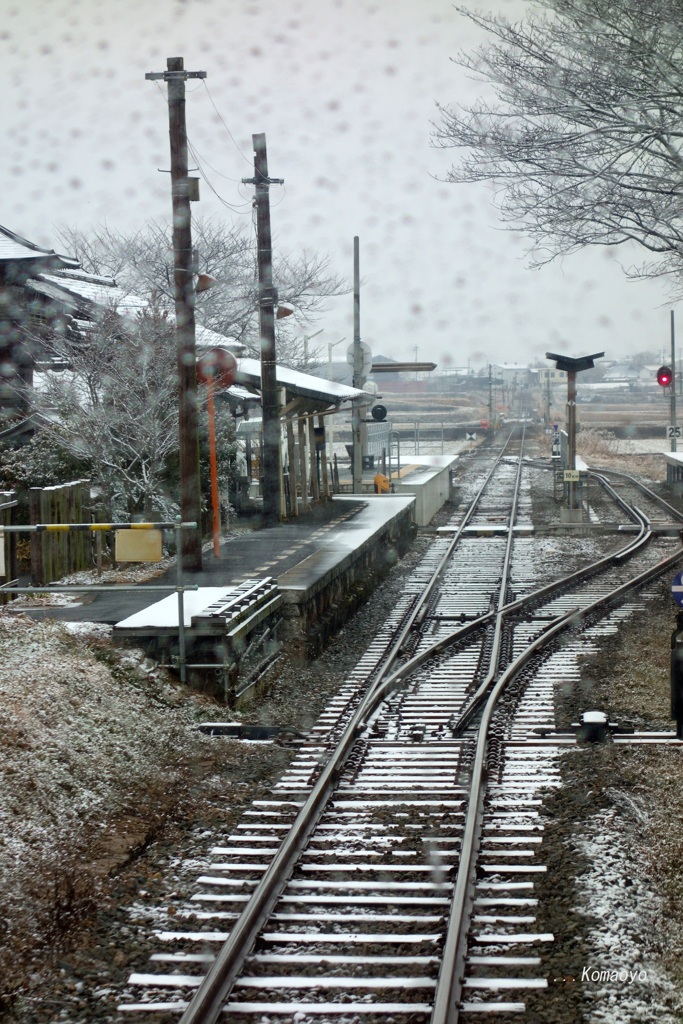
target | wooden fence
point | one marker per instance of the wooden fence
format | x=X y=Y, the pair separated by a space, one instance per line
x=54 y=555
x=8 y=505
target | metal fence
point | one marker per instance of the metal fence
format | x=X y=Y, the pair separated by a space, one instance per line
x=378 y=437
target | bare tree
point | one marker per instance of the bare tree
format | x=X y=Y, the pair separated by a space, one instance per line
x=116 y=409
x=584 y=135
x=142 y=263
x=112 y=415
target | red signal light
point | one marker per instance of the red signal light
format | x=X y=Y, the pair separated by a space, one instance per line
x=664 y=376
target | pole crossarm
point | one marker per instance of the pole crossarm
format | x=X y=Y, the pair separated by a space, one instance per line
x=171 y=76
x=263 y=180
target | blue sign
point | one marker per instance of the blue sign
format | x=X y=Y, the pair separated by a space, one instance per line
x=677 y=589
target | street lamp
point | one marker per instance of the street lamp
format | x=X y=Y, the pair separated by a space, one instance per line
x=307 y=338
x=330 y=346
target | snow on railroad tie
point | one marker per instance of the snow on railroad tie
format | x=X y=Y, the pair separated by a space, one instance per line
x=307 y=1009
x=285 y=981
x=378 y=867
x=468 y=1007
x=354 y=884
x=505 y=983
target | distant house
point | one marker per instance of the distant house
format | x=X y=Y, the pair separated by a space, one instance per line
x=620 y=372
x=549 y=373
x=649 y=372
x=512 y=374
x=26 y=318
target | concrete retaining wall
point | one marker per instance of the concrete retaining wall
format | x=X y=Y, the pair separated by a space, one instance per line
x=312 y=613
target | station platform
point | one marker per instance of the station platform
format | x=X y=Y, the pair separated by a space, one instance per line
x=320 y=562
x=427 y=477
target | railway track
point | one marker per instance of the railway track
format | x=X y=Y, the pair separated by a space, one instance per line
x=390 y=876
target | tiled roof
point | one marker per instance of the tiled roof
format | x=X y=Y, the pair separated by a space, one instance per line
x=101 y=291
x=13 y=247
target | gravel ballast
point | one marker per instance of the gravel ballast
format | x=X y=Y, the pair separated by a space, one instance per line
x=147 y=792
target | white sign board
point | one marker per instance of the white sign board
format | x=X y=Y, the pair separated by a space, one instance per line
x=571 y=476
x=673 y=431
x=677 y=589
x=138 y=545
x=365 y=355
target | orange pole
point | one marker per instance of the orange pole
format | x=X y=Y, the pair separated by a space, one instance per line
x=214 y=471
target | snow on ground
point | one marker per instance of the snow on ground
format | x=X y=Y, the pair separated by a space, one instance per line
x=641 y=446
x=625 y=985
x=91 y=736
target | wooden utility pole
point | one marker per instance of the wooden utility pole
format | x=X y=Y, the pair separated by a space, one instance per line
x=673 y=379
x=267 y=302
x=188 y=426
x=490 y=399
x=358 y=408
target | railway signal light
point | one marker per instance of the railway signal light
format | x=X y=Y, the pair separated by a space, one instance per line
x=664 y=376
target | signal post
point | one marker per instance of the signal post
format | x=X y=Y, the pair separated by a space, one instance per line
x=572 y=366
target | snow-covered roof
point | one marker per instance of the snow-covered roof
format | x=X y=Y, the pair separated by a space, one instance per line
x=101 y=291
x=74 y=287
x=305 y=385
x=51 y=291
x=13 y=247
x=241 y=394
x=206 y=338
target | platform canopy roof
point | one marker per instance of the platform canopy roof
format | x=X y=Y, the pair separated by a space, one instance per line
x=311 y=392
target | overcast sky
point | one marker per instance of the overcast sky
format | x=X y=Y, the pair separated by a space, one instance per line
x=345 y=91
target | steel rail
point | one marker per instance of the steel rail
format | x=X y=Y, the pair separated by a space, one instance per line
x=646 y=490
x=527 y=601
x=449 y=983
x=625 y=505
x=206 y=1004
x=500 y=613
x=586 y=573
x=427 y=591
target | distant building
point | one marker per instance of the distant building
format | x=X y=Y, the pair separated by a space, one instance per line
x=649 y=372
x=512 y=374
x=26 y=318
x=621 y=372
x=546 y=373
